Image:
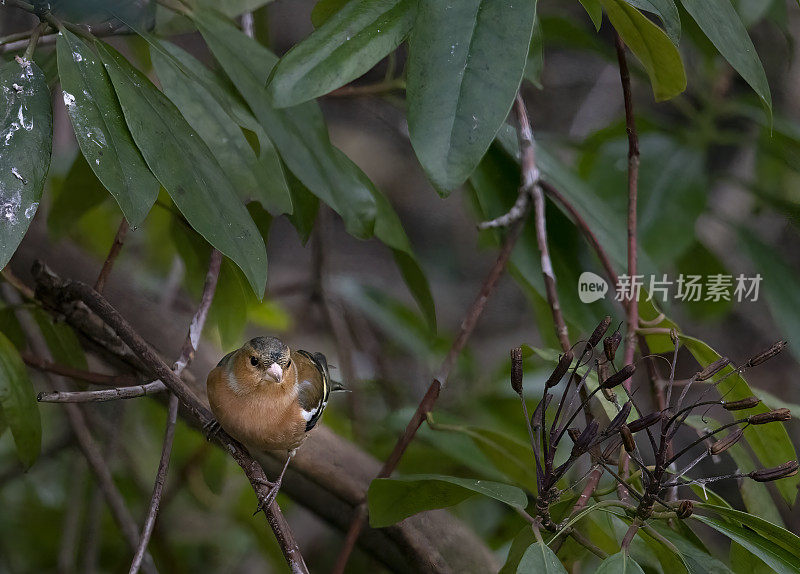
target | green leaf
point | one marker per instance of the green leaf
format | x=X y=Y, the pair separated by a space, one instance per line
x=720 y=22
x=594 y=10
x=619 y=563
x=299 y=133
x=254 y=176
x=10 y=327
x=79 y=193
x=465 y=65
x=187 y=169
x=302 y=140
x=535 y=63
x=26 y=139
x=745 y=562
x=393 y=499
x=695 y=560
x=18 y=403
x=346 y=46
x=231 y=8
x=779 y=284
x=100 y=129
x=780 y=536
x=656 y=52
x=538 y=558
x=776 y=557
x=324 y=10
x=667 y=11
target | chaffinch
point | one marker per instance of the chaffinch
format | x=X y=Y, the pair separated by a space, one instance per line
x=269 y=397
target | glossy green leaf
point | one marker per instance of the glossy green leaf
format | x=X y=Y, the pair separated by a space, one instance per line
x=693 y=559
x=653 y=48
x=745 y=562
x=619 y=563
x=594 y=10
x=776 y=557
x=778 y=285
x=187 y=169
x=299 y=133
x=720 y=22
x=349 y=44
x=324 y=10
x=667 y=11
x=780 y=536
x=302 y=140
x=26 y=139
x=61 y=340
x=254 y=176
x=465 y=65
x=10 y=327
x=538 y=559
x=100 y=129
x=393 y=499
x=18 y=401
x=79 y=193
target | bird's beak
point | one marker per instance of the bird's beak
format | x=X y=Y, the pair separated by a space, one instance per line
x=275 y=372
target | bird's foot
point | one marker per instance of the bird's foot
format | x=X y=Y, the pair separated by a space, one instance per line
x=211 y=428
x=264 y=503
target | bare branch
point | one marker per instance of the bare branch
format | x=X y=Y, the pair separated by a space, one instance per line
x=113 y=253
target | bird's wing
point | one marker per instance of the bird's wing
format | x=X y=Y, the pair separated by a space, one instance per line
x=314 y=386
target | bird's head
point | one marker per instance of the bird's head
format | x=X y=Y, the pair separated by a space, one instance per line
x=267 y=358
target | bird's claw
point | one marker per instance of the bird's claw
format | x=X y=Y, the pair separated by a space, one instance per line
x=264 y=503
x=211 y=428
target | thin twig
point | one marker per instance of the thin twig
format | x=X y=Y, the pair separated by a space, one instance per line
x=187 y=354
x=113 y=253
x=438 y=382
x=633 y=184
x=103 y=395
x=80 y=374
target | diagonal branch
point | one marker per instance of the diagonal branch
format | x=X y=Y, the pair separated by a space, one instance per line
x=113 y=253
x=60 y=295
x=187 y=354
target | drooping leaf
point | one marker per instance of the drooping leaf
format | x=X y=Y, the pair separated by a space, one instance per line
x=667 y=11
x=619 y=563
x=26 y=139
x=302 y=140
x=299 y=132
x=693 y=559
x=18 y=403
x=187 y=169
x=745 y=562
x=393 y=499
x=466 y=61
x=324 y=10
x=652 y=47
x=100 y=129
x=594 y=10
x=538 y=558
x=254 y=176
x=231 y=8
x=346 y=46
x=776 y=557
x=720 y=22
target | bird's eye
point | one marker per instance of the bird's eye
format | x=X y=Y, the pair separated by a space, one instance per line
x=288 y=363
x=253 y=361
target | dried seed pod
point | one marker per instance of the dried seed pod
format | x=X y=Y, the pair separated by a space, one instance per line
x=516 y=370
x=574 y=433
x=785 y=470
x=619 y=377
x=599 y=331
x=611 y=343
x=712 y=369
x=771 y=416
x=685 y=509
x=584 y=440
x=627 y=438
x=564 y=361
x=621 y=417
x=766 y=355
x=724 y=444
x=612 y=448
x=746 y=403
x=645 y=422
x=537 y=419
